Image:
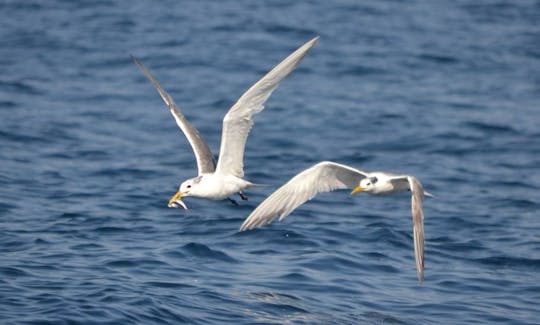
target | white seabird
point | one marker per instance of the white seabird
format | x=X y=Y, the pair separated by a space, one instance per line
x=219 y=181
x=328 y=176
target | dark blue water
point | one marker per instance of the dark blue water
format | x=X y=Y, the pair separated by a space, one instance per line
x=448 y=91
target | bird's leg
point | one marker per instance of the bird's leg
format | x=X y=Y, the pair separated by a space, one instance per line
x=232 y=201
x=243 y=196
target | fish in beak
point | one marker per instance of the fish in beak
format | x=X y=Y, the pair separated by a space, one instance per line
x=176 y=201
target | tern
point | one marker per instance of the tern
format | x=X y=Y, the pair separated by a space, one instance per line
x=328 y=176
x=218 y=181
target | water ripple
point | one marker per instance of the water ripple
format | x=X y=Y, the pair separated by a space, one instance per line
x=446 y=91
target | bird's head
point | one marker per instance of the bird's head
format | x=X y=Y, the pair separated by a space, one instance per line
x=186 y=189
x=367 y=184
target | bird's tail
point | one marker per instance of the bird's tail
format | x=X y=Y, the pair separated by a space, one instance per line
x=251 y=185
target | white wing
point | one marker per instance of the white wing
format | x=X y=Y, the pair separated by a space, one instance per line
x=323 y=177
x=238 y=121
x=417 y=199
x=205 y=159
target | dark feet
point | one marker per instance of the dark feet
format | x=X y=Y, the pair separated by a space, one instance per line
x=232 y=201
x=243 y=196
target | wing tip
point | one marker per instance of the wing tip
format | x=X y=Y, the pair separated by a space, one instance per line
x=248 y=224
x=136 y=60
x=421 y=277
x=311 y=43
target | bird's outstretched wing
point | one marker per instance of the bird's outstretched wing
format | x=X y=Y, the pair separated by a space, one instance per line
x=323 y=177
x=239 y=120
x=205 y=160
x=417 y=199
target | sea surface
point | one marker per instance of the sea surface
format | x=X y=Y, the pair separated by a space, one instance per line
x=448 y=91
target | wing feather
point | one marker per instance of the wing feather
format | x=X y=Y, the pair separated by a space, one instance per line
x=402 y=182
x=205 y=159
x=323 y=177
x=238 y=121
x=417 y=200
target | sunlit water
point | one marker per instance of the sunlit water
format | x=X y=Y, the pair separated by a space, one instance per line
x=444 y=90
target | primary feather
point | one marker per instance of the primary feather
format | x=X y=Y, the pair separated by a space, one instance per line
x=239 y=120
x=205 y=159
x=323 y=177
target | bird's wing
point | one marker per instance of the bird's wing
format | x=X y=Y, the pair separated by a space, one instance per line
x=322 y=177
x=417 y=199
x=239 y=120
x=205 y=160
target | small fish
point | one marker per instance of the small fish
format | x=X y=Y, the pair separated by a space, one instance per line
x=177 y=204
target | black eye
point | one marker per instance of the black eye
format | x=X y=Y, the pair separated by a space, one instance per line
x=189 y=186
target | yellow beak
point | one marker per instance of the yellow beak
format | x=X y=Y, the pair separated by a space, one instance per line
x=175 y=197
x=357 y=189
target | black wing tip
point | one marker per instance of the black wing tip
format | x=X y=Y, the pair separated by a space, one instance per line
x=134 y=58
x=139 y=63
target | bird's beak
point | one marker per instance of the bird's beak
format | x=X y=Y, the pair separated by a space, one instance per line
x=357 y=189
x=175 y=197
x=175 y=201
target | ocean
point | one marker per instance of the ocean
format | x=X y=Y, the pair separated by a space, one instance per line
x=448 y=91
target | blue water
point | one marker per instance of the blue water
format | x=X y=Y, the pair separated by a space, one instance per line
x=448 y=91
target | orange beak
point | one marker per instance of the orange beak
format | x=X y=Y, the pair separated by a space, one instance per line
x=357 y=189
x=175 y=199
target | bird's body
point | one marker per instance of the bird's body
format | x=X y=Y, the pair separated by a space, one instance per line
x=213 y=186
x=328 y=176
x=218 y=181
